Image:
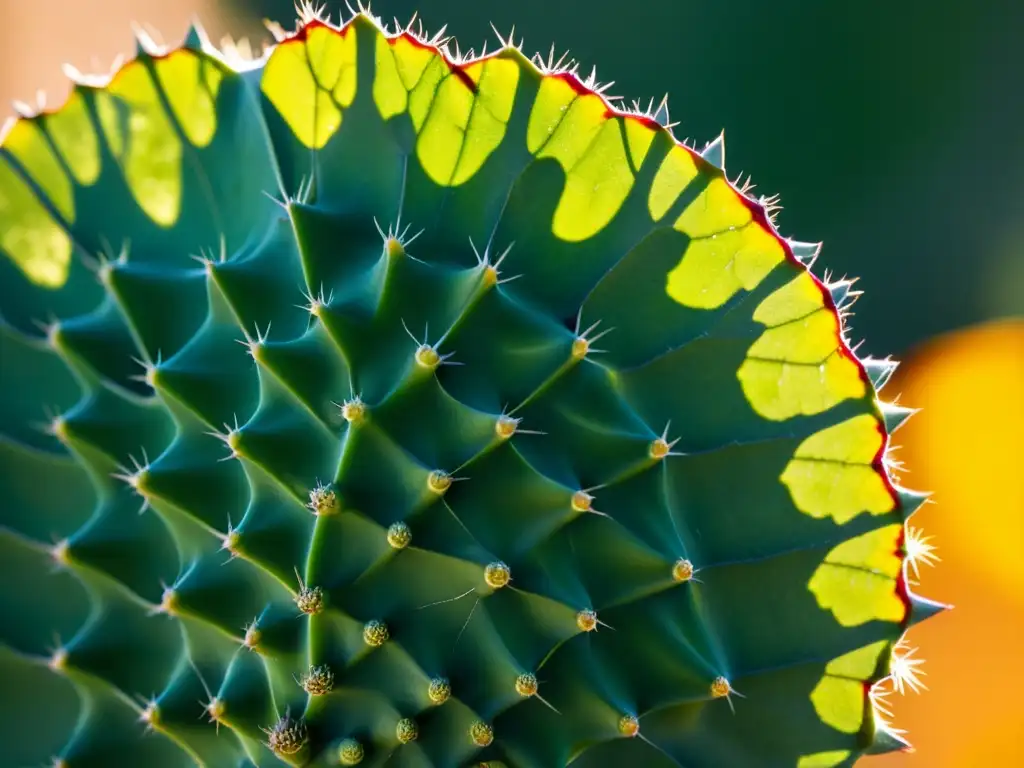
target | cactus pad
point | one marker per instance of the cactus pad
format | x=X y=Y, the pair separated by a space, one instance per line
x=367 y=403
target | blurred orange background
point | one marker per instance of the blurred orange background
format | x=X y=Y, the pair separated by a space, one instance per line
x=37 y=39
x=965 y=445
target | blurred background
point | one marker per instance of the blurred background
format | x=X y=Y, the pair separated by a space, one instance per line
x=893 y=133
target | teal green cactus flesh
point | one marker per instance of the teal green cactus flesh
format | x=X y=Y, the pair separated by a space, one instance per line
x=369 y=404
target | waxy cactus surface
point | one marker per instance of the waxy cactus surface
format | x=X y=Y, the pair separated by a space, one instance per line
x=370 y=404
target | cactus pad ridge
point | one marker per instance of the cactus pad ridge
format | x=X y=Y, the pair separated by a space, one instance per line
x=599 y=280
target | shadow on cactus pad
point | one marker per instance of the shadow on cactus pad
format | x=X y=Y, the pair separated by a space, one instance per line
x=371 y=404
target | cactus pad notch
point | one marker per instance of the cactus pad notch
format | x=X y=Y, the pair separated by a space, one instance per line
x=371 y=403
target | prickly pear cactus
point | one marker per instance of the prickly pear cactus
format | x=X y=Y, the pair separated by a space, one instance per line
x=371 y=404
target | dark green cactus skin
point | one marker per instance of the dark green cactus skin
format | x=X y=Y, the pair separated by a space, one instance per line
x=422 y=515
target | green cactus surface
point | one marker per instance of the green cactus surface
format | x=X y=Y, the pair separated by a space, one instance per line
x=368 y=403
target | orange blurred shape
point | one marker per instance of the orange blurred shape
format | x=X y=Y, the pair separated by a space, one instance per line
x=36 y=39
x=967 y=446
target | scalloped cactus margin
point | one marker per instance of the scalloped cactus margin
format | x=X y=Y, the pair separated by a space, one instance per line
x=540 y=445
